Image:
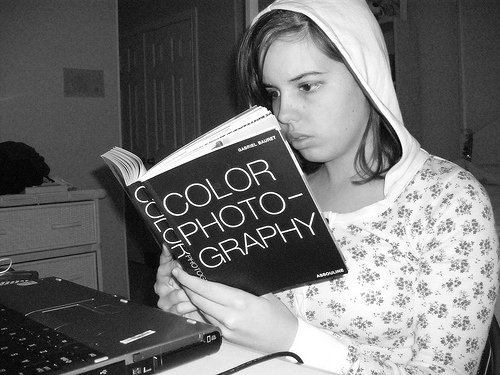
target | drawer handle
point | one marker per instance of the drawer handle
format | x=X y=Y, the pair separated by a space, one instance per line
x=66 y=226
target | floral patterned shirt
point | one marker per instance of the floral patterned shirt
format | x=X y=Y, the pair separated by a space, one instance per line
x=421 y=288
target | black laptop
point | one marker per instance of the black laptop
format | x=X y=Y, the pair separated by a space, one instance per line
x=53 y=326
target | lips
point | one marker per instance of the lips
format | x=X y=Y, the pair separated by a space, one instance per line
x=298 y=141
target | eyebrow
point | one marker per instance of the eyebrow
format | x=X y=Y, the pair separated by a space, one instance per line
x=298 y=78
x=301 y=76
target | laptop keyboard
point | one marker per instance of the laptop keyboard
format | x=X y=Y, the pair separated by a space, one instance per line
x=28 y=347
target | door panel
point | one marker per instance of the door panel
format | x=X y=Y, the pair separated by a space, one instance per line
x=133 y=100
x=170 y=87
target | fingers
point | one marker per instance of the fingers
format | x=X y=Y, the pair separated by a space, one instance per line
x=207 y=290
x=165 y=256
x=221 y=304
x=171 y=297
x=164 y=271
x=173 y=300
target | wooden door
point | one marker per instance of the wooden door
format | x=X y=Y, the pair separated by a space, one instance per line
x=171 y=90
x=132 y=91
x=160 y=108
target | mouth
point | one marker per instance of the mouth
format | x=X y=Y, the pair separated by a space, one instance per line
x=298 y=141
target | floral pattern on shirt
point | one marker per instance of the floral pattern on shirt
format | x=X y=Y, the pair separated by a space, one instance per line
x=422 y=282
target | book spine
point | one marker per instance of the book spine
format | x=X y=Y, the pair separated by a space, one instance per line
x=178 y=248
x=154 y=218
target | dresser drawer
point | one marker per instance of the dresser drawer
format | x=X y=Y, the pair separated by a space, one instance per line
x=80 y=269
x=38 y=228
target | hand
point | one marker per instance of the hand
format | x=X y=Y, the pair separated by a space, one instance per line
x=263 y=323
x=171 y=296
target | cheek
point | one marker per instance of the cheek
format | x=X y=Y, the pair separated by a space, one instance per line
x=275 y=107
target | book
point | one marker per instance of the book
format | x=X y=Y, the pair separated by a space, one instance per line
x=234 y=207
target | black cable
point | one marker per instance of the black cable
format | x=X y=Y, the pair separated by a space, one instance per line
x=261 y=359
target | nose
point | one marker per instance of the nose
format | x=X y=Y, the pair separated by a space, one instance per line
x=285 y=110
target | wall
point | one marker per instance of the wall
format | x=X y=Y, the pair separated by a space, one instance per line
x=481 y=50
x=38 y=38
x=457 y=45
x=439 y=72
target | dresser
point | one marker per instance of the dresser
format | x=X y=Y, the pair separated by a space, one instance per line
x=56 y=234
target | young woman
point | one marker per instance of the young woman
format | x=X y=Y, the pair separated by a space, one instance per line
x=417 y=231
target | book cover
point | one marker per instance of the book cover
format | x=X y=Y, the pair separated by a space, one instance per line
x=242 y=214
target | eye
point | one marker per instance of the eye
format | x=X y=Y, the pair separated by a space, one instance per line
x=308 y=87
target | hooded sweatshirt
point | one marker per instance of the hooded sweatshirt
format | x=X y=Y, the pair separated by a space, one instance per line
x=423 y=261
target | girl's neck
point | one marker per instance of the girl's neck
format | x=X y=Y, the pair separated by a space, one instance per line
x=335 y=191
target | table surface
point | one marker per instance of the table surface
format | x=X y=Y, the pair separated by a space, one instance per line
x=231 y=355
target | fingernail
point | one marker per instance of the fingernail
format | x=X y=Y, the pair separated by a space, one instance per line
x=175 y=272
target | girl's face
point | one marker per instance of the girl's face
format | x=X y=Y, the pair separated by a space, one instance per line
x=320 y=107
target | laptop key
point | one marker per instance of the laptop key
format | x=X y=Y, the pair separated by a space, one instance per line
x=41 y=368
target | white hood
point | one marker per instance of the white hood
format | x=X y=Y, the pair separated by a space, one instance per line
x=352 y=27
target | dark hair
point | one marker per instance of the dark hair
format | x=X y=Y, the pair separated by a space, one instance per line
x=278 y=24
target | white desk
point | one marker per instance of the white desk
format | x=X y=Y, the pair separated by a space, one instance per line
x=231 y=355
